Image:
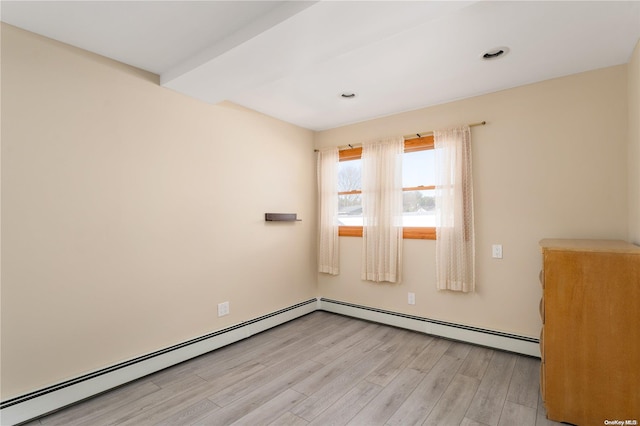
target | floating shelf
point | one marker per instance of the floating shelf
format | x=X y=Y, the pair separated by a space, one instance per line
x=281 y=217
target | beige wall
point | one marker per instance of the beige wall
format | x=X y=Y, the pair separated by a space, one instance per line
x=551 y=162
x=129 y=211
x=634 y=145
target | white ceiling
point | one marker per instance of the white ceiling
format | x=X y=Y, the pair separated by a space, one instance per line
x=293 y=59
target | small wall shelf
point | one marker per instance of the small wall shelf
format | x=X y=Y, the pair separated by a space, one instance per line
x=281 y=217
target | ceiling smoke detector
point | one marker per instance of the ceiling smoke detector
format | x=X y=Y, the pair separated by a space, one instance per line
x=496 y=53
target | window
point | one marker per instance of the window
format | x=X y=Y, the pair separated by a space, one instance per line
x=418 y=181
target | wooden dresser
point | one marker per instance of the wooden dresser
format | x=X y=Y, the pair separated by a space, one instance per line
x=590 y=340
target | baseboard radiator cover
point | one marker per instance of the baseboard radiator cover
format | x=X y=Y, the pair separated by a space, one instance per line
x=38 y=403
x=490 y=338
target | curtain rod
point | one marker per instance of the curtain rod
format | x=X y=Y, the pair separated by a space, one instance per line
x=407 y=137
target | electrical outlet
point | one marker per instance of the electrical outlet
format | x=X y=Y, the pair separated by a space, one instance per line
x=411 y=298
x=496 y=251
x=223 y=309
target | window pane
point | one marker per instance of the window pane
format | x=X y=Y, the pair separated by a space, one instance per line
x=350 y=206
x=418 y=168
x=350 y=210
x=419 y=208
x=349 y=175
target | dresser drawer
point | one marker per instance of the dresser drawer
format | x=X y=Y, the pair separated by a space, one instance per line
x=542 y=383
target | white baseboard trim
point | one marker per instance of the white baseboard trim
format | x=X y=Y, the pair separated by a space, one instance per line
x=483 y=337
x=35 y=404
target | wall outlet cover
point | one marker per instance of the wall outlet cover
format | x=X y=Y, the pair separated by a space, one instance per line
x=223 y=309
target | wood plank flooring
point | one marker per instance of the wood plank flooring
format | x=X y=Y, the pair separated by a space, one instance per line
x=326 y=369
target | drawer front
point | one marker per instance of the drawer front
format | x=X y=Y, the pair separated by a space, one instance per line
x=541 y=308
x=542 y=382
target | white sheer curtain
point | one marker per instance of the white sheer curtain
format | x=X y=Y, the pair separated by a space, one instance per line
x=382 y=210
x=455 y=244
x=328 y=250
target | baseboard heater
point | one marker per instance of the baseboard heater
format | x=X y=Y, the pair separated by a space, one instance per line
x=495 y=339
x=38 y=403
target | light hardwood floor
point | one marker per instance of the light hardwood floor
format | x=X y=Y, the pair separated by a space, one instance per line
x=326 y=369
